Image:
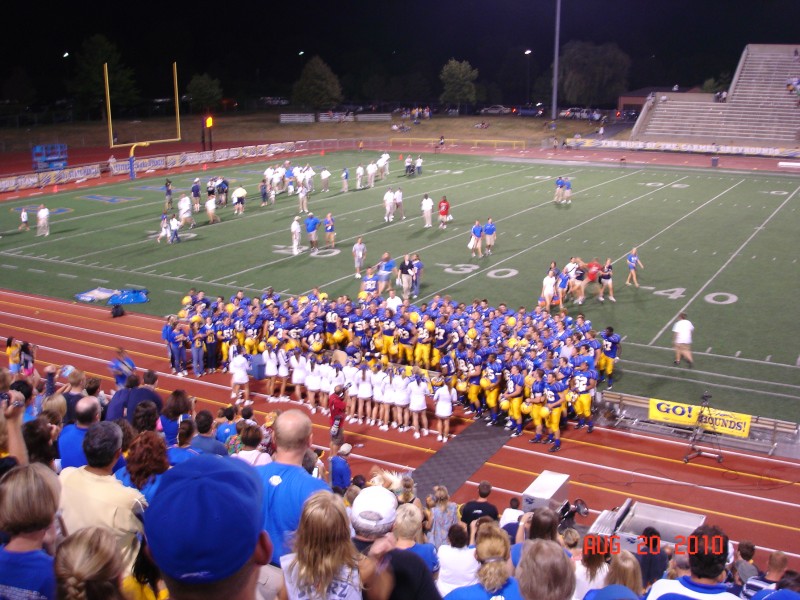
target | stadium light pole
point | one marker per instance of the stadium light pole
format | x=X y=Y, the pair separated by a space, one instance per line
x=528 y=78
x=554 y=101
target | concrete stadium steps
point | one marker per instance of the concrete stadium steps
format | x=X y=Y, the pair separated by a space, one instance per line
x=759 y=108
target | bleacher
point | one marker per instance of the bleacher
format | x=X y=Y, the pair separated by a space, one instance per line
x=759 y=110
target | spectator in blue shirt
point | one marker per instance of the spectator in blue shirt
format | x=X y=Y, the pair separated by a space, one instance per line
x=312 y=223
x=341 y=476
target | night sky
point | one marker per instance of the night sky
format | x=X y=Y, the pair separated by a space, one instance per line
x=252 y=47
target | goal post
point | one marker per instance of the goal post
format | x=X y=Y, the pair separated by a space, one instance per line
x=132 y=145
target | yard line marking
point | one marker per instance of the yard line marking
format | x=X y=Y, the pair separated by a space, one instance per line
x=10 y=266
x=670 y=367
x=738 y=352
x=69 y=276
x=769 y=358
x=173 y=292
x=726 y=263
x=716 y=385
x=100 y=280
x=708 y=353
x=178 y=276
x=134 y=285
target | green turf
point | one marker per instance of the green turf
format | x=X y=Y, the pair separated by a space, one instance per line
x=705 y=237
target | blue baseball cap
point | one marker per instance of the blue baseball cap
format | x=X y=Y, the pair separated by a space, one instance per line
x=205 y=520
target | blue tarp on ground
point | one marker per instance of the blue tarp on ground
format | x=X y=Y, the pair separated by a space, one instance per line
x=129 y=297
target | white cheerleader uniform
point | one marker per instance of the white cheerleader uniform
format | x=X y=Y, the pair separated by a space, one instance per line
x=400 y=387
x=299 y=366
x=283 y=363
x=270 y=362
x=443 y=403
x=379 y=392
x=364 y=386
x=314 y=378
x=418 y=389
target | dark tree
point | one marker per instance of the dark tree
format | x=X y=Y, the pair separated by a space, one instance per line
x=592 y=74
x=458 y=79
x=318 y=86
x=87 y=86
x=205 y=92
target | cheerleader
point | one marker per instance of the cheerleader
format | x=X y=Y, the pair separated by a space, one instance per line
x=326 y=373
x=380 y=395
x=350 y=372
x=418 y=393
x=270 y=357
x=299 y=366
x=443 y=399
x=401 y=401
x=313 y=381
x=364 y=380
x=283 y=372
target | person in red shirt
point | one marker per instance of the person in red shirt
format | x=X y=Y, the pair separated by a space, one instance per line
x=337 y=407
x=444 y=212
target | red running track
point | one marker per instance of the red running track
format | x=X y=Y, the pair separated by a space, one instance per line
x=750 y=496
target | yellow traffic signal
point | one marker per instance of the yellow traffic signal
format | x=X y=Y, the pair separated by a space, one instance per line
x=209 y=122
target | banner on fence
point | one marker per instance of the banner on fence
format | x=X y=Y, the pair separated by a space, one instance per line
x=711 y=419
x=685 y=147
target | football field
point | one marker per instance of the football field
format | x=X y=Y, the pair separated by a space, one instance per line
x=721 y=246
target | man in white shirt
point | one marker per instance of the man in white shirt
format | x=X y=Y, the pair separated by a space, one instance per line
x=427 y=210
x=419 y=165
x=295 y=230
x=388 y=205
x=359 y=256
x=682 y=339
x=394 y=301
x=185 y=211
x=43 y=221
x=325 y=176
x=372 y=169
x=398 y=203
x=238 y=197
x=359 y=175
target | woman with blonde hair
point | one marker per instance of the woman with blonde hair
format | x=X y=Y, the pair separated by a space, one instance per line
x=29 y=498
x=545 y=572
x=325 y=564
x=88 y=566
x=624 y=570
x=492 y=551
x=444 y=514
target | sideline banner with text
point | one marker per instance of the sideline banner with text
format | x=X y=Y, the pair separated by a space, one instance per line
x=721 y=421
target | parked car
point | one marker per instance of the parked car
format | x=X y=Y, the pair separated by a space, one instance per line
x=496 y=109
x=570 y=113
x=531 y=110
